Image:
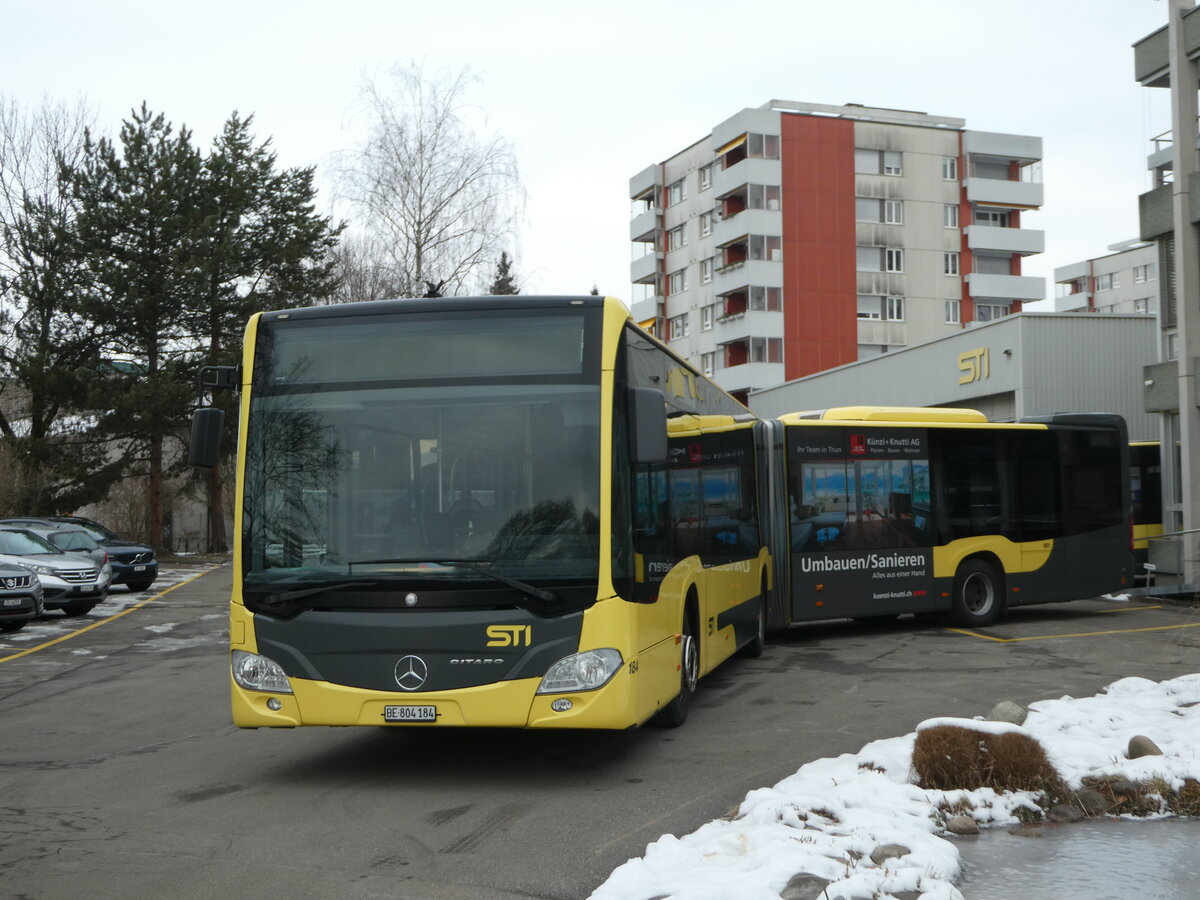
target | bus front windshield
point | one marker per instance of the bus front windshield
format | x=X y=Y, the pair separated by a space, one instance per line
x=418 y=446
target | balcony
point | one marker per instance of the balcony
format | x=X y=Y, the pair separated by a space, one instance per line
x=1016 y=147
x=748 y=221
x=876 y=331
x=739 y=276
x=644 y=225
x=645 y=269
x=981 y=286
x=752 y=323
x=1022 y=241
x=998 y=192
x=749 y=376
x=646 y=181
x=1072 y=302
x=748 y=171
x=646 y=308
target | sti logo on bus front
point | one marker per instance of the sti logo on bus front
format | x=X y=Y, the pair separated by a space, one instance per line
x=509 y=635
x=858 y=445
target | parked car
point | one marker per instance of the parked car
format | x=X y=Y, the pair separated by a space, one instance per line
x=79 y=542
x=20 y=596
x=69 y=582
x=133 y=564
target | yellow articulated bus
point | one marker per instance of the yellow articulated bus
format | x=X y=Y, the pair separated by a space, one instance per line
x=884 y=511
x=510 y=512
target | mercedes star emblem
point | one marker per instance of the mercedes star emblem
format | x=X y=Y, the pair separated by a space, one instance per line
x=411 y=673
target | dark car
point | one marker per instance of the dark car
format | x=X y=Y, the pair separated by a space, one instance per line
x=133 y=565
x=20 y=596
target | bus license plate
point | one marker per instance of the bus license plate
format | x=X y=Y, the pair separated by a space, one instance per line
x=410 y=714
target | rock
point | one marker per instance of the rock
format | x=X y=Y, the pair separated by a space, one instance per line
x=1140 y=745
x=1007 y=711
x=1092 y=802
x=804 y=887
x=962 y=825
x=884 y=852
x=1064 y=813
x=1124 y=786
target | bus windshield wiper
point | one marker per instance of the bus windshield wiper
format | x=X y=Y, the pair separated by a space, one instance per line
x=277 y=597
x=477 y=565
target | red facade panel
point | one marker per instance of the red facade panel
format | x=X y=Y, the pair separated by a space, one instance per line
x=819 y=284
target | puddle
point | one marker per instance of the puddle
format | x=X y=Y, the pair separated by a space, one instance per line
x=1108 y=859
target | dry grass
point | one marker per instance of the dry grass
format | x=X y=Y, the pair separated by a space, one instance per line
x=949 y=758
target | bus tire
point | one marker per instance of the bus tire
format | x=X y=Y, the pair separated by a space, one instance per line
x=978 y=594
x=676 y=712
x=754 y=649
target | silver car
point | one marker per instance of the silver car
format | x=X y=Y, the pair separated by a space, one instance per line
x=20 y=596
x=79 y=542
x=71 y=583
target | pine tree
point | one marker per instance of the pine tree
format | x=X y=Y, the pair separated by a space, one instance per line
x=259 y=245
x=504 y=283
x=138 y=218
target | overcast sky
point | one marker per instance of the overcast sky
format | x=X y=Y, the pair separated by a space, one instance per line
x=590 y=94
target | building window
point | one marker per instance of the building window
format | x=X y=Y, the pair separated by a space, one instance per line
x=706 y=363
x=893 y=259
x=950 y=215
x=1104 y=282
x=677 y=237
x=706 y=223
x=1141 y=305
x=765 y=298
x=992 y=217
x=879 y=259
x=893 y=212
x=986 y=312
x=870 y=307
x=706 y=317
x=706 y=177
x=677 y=192
x=950 y=263
x=953 y=314
x=678 y=327
x=1142 y=274
x=878 y=162
x=889 y=212
x=768 y=350
x=762 y=146
x=677 y=282
x=768 y=247
x=950 y=168
x=762 y=196
x=706 y=270
x=894 y=309
x=1172 y=346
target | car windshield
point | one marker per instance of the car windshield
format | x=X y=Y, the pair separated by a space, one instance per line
x=22 y=543
x=73 y=540
x=395 y=444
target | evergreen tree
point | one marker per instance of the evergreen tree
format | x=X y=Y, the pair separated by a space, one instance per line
x=260 y=245
x=138 y=220
x=504 y=283
x=595 y=291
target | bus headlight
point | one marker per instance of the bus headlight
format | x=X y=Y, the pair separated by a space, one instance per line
x=581 y=672
x=257 y=673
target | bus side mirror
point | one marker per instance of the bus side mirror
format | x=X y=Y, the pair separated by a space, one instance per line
x=647 y=426
x=205 y=445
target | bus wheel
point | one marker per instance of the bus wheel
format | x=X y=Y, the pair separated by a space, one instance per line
x=754 y=649
x=675 y=713
x=977 y=599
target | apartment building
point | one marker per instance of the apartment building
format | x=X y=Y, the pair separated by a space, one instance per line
x=796 y=237
x=1123 y=281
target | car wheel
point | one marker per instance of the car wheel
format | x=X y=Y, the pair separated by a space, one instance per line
x=978 y=598
x=12 y=626
x=78 y=608
x=139 y=585
x=675 y=713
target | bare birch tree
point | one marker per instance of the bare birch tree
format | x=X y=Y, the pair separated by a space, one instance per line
x=436 y=201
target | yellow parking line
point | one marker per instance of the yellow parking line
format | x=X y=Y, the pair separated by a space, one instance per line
x=97 y=624
x=1051 y=637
